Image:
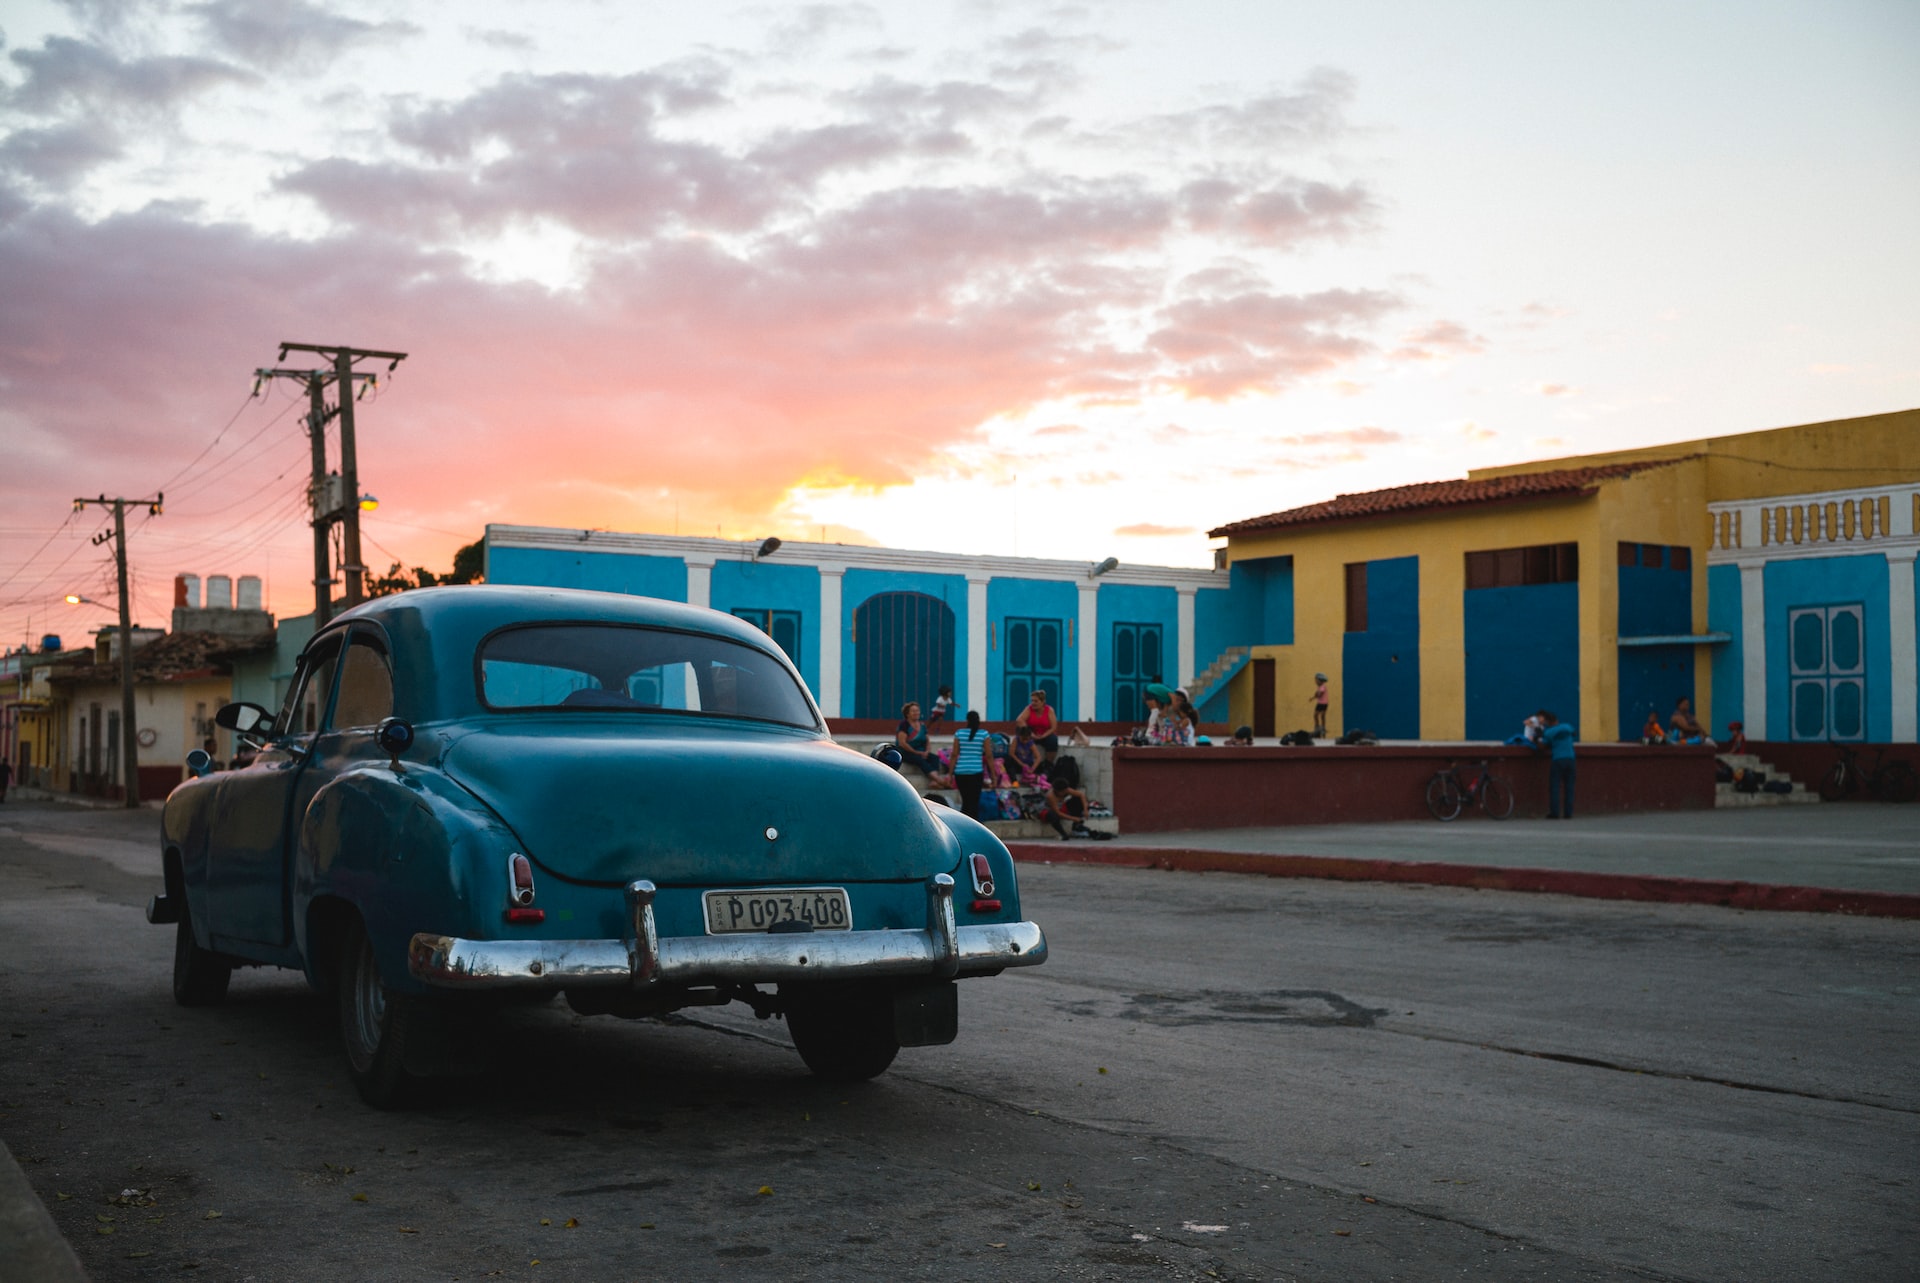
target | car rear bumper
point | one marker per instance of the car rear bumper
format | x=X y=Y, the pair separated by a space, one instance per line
x=643 y=958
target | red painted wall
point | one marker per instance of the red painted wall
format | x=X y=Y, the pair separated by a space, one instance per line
x=1809 y=762
x=1158 y=790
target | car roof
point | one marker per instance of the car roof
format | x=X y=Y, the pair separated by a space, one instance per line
x=434 y=632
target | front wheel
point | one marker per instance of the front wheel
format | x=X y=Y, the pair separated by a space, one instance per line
x=200 y=976
x=1443 y=797
x=844 y=1033
x=1896 y=782
x=375 y=1025
x=1496 y=797
x=1833 y=786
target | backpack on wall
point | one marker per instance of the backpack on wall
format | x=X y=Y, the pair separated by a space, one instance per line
x=1298 y=739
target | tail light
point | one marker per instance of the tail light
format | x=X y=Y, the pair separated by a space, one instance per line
x=983 y=901
x=520 y=891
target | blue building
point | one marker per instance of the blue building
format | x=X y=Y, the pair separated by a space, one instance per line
x=872 y=628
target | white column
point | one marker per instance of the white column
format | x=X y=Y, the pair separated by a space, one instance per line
x=1185 y=629
x=830 y=635
x=1906 y=663
x=699 y=583
x=975 y=694
x=1753 y=649
x=1087 y=637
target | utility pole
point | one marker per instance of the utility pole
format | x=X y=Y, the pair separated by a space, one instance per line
x=327 y=509
x=129 y=746
x=343 y=376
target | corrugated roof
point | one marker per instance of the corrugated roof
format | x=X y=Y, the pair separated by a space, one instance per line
x=1428 y=495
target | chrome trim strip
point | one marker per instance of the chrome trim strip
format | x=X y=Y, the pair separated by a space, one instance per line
x=942 y=949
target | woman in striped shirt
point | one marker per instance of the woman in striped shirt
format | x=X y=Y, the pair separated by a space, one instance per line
x=972 y=762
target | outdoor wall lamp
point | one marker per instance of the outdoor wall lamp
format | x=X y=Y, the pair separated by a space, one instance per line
x=768 y=546
x=1100 y=568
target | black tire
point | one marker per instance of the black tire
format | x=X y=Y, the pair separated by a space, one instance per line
x=1496 y=797
x=1897 y=782
x=1833 y=786
x=375 y=1025
x=1443 y=797
x=200 y=976
x=844 y=1033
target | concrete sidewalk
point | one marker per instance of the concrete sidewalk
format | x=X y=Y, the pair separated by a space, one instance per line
x=1848 y=858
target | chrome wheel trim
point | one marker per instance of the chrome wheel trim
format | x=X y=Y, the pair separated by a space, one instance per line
x=367 y=1012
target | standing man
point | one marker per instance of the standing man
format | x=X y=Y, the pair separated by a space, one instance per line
x=1559 y=738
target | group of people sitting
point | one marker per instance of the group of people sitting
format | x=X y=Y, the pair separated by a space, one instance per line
x=1171 y=716
x=1681 y=728
x=979 y=760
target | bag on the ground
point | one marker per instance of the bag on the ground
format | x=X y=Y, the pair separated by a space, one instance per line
x=1749 y=781
x=1298 y=739
x=1722 y=772
x=1065 y=771
x=1777 y=786
x=1358 y=736
x=989 y=804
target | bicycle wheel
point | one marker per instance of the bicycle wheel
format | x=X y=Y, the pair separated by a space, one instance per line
x=1496 y=797
x=1443 y=796
x=1835 y=784
x=1896 y=782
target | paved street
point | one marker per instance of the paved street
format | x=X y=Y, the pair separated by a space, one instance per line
x=1214 y=1077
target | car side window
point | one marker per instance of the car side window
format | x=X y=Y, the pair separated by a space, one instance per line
x=366 y=684
x=307 y=698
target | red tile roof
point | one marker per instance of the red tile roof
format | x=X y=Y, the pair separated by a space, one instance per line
x=1428 y=495
x=174 y=657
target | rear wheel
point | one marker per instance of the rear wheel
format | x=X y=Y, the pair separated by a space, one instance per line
x=375 y=1024
x=1443 y=797
x=200 y=976
x=1833 y=786
x=1496 y=797
x=845 y=1033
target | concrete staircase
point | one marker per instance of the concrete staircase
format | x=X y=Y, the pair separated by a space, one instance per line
x=1211 y=680
x=1727 y=795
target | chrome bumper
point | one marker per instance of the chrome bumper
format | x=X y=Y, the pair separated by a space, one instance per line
x=643 y=958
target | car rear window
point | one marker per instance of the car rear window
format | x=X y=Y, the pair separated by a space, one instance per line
x=597 y=668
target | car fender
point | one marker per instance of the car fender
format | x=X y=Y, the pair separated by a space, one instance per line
x=184 y=825
x=408 y=851
x=973 y=837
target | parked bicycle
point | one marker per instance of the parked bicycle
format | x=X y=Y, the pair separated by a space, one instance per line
x=1888 y=781
x=1450 y=791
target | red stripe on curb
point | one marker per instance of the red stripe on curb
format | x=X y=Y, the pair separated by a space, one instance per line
x=1598 y=886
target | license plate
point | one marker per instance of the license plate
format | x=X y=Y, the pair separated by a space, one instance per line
x=822 y=908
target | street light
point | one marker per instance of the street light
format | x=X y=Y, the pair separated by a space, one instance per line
x=368 y=503
x=1100 y=568
x=75 y=599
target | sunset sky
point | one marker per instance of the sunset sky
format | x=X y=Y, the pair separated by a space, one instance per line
x=1065 y=280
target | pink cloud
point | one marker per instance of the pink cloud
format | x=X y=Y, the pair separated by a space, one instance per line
x=1146 y=529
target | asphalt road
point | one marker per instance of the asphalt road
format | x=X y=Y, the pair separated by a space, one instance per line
x=1214 y=1077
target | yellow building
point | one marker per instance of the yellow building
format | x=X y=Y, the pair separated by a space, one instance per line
x=1767 y=576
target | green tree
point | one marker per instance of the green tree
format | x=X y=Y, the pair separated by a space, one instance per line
x=467 y=563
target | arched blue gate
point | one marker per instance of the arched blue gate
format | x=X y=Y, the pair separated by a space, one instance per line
x=903 y=650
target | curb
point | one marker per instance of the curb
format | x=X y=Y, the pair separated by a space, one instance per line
x=30 y=1245
x=1597 y=886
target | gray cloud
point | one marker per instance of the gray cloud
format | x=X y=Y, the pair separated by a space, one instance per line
x=58 y=157
x=288 y=33
x=66 y=73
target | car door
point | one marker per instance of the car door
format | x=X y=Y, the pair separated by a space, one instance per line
x=249 y=861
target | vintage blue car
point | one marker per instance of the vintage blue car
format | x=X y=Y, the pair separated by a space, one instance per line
x=478 y=794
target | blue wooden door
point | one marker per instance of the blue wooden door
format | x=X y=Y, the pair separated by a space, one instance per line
x=902 y=650
x=1031 y=658
x=1827 y=673
x=1136 y=665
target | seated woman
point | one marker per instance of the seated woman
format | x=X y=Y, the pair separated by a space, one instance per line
x=1685 y=729
x=911 y=737
x=1023 y=756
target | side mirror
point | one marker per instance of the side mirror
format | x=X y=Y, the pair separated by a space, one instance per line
x=394 y=737
x=199 y=762
x=248 y=719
